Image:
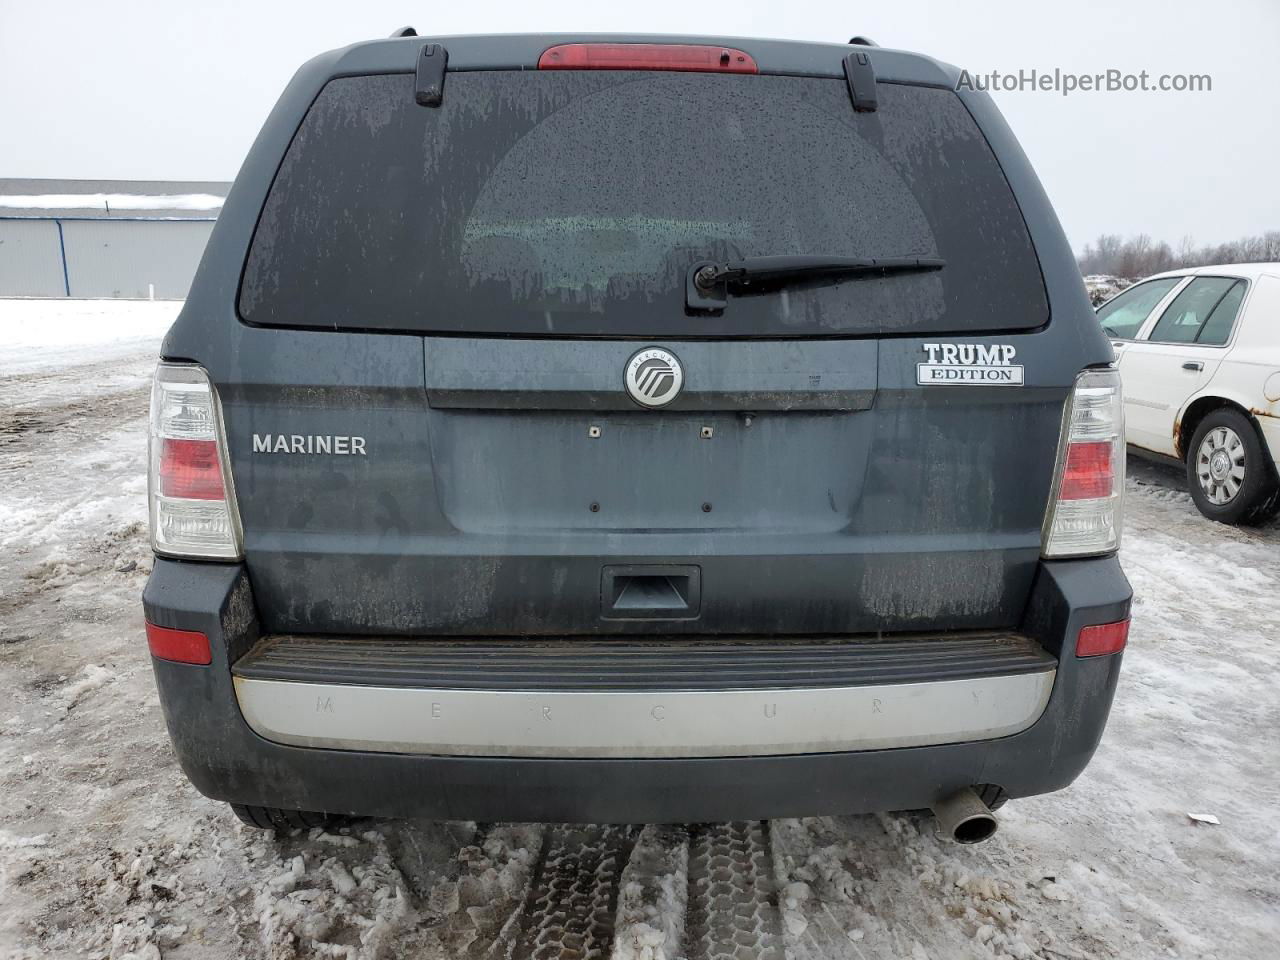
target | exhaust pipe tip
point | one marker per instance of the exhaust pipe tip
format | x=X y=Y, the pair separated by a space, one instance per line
x=964 y=818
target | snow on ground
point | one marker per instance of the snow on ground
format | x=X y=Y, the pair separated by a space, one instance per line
x=106 y=851
x=38 y=335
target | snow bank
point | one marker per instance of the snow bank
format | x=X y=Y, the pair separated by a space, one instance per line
x=43 y=334
x=40 y=324
x=116 y=201
x=654 y=890
x=313 y=904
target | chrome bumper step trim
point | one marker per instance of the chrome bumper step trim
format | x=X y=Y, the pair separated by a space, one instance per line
x=639 y=724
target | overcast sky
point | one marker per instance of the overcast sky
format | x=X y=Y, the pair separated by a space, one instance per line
x=177 y=91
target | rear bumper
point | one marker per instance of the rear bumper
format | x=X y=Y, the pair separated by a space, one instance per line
x=1040 y=744
x=1270 y=426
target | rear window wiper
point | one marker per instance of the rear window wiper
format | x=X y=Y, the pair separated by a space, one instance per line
x=708 y=284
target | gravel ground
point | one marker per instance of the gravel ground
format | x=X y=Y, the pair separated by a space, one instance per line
x=106 y=851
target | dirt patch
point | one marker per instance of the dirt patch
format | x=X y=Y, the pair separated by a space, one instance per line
x=23 y=428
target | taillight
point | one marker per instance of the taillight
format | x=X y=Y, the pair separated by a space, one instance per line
x=193 y=511
x=1088 y=472
x=1104 y=638
x=1084 y=513
x=190 y=469
x=646 y=56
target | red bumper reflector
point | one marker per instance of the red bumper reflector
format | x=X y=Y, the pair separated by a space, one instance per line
x=1102 y=639
x=190 y=469
x=181 y=646
x=646 y=56
x=1087 y=474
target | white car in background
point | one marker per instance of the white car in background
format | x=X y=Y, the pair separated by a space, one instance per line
x=1199 y=358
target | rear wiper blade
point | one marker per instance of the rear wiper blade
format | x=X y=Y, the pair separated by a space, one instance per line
x=708 y=284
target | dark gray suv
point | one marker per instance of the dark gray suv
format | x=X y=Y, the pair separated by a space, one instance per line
x=634 y=429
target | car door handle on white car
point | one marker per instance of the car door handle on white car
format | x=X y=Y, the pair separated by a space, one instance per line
x=1193 y=365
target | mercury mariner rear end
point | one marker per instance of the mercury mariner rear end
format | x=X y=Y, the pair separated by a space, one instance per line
x=633 y=429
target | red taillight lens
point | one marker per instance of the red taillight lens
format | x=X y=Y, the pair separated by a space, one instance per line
x=181 y=646
x=645 y=56
x=190 y=469
x=1102 y=639
x=1089 y=472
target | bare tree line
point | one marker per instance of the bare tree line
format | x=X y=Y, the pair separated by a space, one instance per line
x=1140 y=256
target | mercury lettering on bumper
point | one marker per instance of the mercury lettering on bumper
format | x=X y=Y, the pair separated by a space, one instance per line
x=683 y=723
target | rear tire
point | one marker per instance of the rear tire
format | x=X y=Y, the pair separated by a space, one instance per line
x=273 y=818
x=1229 y=474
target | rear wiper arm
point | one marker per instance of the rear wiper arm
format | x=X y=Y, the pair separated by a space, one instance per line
x=707 y=284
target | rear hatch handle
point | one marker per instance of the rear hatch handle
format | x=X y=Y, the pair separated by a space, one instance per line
x=708 y=283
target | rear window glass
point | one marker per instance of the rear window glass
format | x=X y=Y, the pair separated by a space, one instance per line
x=1186 y=318
x=1217 y=329
x=573 y=203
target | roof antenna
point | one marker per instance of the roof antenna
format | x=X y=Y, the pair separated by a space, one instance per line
x=404 y=32
x=861 y=41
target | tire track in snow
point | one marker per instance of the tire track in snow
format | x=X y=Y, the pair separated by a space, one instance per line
x=35 y=400
x=732 y=907
x=31 y=425
x=570 y=910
